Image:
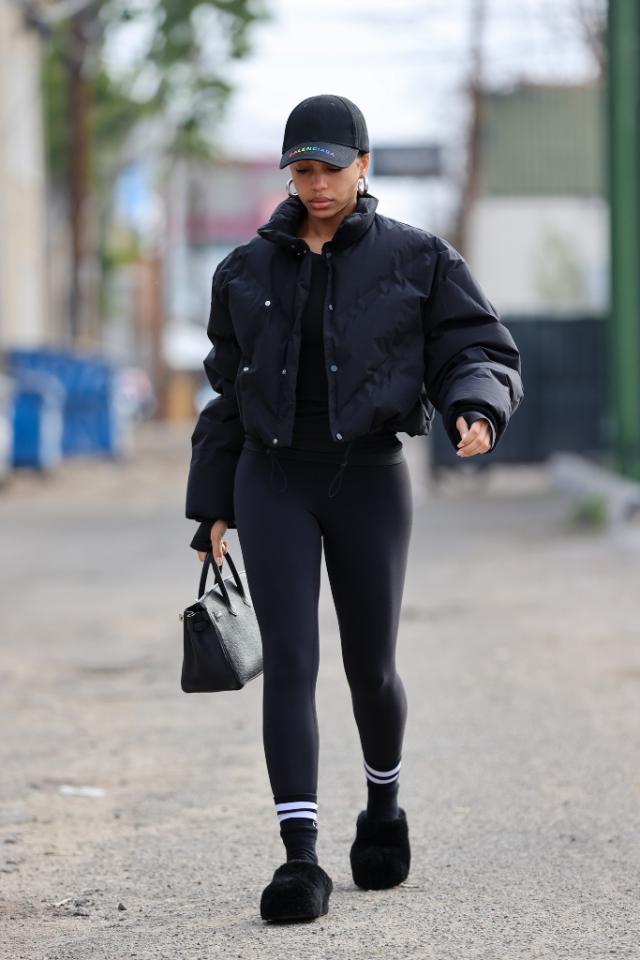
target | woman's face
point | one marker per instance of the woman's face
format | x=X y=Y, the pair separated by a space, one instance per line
x=318 y=181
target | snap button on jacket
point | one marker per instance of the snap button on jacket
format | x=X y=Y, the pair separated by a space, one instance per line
x=406 y=329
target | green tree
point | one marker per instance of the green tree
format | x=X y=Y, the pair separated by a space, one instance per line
x=110 y=64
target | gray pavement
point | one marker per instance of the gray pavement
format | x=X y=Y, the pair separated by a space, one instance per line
x=521 y=771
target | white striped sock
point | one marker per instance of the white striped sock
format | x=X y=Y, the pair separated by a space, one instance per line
x=382 y=776
x=307 y=809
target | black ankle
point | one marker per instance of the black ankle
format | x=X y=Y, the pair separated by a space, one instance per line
x=382 y=802
x=299 y=838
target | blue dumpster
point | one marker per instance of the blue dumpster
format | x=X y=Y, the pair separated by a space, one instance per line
x=37 y=420
x=96 y=418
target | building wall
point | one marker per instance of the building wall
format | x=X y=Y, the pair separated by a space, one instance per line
x=541 y=254
x=22 y=184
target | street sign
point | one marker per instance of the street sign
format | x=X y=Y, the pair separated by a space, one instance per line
x=416 y=160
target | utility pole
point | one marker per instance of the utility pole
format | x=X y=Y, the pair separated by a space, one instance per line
x=623 y=77
x=475 y=89
x=79 y=173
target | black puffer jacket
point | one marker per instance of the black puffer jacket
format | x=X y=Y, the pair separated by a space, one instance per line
x=406 y=329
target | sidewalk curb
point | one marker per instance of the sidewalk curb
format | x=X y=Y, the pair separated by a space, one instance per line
x=572 y=473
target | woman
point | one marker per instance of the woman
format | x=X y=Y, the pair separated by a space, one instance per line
x=334 y=328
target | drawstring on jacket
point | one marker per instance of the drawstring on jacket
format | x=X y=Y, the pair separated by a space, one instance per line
x=274 y=460
x=340 y=472
x=337 y=477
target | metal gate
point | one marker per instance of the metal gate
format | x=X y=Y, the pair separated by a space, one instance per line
x=565 y=405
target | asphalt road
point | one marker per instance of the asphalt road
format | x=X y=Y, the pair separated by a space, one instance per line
x=521 y=770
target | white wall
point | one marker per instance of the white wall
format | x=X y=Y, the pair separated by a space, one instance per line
x=22 y=185
x=541 y=254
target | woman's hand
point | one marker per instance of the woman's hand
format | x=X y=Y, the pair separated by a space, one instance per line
x=218 y=545
x=475 y=439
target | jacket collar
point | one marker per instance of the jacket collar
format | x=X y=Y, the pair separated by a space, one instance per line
x=282 y=226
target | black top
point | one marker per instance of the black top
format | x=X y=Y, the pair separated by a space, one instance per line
x=311 y=439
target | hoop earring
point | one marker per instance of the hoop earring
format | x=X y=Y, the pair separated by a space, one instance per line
x=363 y=184
x=294 y=192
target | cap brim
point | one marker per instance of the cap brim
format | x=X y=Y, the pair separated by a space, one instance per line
x=335 y=154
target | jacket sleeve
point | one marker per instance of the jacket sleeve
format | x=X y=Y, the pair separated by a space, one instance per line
x=471 y=360
x=218 y=435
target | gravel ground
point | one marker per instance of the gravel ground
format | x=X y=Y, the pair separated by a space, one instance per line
x=521 y=772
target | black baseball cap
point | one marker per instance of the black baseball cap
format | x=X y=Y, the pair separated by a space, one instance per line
x=325 y=127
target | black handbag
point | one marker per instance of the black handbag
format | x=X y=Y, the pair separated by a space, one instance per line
x=222 y=643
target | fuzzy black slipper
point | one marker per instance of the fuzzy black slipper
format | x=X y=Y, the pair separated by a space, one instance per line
x=380 y=854
x=299 y=890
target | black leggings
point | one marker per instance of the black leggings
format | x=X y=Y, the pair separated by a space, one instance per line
x=366 y=529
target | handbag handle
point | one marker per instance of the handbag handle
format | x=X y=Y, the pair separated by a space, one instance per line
x=209 y=561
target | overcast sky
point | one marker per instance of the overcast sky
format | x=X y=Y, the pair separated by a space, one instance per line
x=402 y=62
